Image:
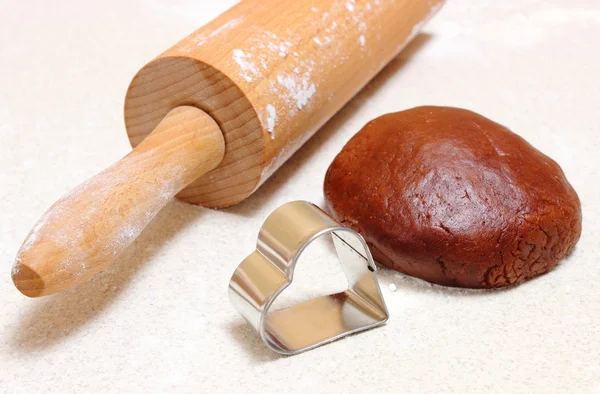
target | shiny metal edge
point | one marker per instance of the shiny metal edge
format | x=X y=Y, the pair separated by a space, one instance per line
x=269 y=270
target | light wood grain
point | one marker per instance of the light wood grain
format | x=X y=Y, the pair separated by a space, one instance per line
x=83 y=232
x=270 y=73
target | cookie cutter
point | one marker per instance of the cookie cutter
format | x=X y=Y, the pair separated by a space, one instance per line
x=269 y=270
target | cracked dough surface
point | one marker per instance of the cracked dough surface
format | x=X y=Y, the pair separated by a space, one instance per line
x=449 y=196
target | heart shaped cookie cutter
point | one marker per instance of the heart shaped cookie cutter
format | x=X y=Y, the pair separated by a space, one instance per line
x=267 y=271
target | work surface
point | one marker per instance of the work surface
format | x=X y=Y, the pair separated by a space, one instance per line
x=160 y=321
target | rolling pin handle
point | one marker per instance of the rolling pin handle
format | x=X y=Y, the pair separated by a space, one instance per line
x=85 y=230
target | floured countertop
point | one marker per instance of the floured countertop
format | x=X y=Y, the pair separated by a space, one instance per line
x=160 y=321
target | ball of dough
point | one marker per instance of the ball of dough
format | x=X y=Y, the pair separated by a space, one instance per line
x=449 y=196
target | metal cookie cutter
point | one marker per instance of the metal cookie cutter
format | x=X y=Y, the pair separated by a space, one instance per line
x=267 y=271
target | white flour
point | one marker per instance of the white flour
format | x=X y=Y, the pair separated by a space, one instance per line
x=271 y=119
x=247 y=67
x=231 y=24
x=72 y=224
x=350 y=5
x=299 y=88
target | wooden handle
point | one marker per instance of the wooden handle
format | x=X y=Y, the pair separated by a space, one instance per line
x=85 y=230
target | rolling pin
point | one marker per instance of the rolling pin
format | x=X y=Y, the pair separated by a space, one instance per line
x=213 y=117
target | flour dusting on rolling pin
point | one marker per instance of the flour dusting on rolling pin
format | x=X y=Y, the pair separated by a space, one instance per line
x=214 y=116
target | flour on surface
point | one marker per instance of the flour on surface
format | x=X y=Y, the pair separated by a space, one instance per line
x=78 y=226
x=284 y=48
x=226 y=26
x=326 y=40
x=255 y=58
x=271 y=119
x=299 y=88
x=247 y=67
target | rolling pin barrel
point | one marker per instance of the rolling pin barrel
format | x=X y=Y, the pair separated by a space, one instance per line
x=214 y=116
x=270 y=73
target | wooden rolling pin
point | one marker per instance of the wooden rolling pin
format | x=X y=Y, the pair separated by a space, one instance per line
x=213 y=117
